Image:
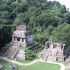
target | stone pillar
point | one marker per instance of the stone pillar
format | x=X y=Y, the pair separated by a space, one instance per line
x=12 y=39
x=20 y=39
x=63 y=47
x=59 y=46
x=51 y=46
x=24 y=40
x=16 y=39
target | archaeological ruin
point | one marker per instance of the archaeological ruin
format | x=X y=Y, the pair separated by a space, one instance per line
x=13 y=52
x=22 y=37
x=54 y=52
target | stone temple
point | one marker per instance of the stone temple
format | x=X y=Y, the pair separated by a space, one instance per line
x=22 y=37
x=54 y=52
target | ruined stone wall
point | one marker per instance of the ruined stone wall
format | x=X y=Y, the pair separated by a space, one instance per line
x=54 y=52
x=22 y=37
x=21 y=28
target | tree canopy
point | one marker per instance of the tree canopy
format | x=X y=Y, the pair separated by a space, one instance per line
x=46 y=19
x=61 y=34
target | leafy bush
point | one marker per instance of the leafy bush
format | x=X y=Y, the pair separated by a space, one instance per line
x=30 y=55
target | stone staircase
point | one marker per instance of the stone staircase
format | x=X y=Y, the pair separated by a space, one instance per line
x=11 y=52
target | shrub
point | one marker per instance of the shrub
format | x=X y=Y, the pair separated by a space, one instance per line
x=30 y=55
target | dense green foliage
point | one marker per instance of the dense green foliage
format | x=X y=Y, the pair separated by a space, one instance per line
x=5 y=35
x=61 y=34
x=30 y=55
x=45 y=19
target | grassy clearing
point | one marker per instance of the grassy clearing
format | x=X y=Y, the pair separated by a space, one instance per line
x=36 y=66
x=27 y=61
x=21 y=47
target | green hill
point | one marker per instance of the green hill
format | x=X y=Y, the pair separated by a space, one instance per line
x=47 y=20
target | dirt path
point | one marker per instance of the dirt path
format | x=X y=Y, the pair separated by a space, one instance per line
x=26 y=64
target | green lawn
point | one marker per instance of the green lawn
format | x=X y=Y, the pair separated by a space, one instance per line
x=21 y=47
x=27 y=61
x=36 y=66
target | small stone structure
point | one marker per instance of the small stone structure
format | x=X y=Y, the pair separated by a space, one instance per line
x=54 y=52
x=22 y=37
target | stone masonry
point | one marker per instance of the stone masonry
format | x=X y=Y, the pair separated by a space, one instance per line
x=21 y=54
x=54 y=52
x=22 y=37
x=13 y=52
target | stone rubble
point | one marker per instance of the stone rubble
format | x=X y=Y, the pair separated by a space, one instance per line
x=54 y=52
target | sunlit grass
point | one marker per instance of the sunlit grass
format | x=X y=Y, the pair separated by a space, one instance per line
x=35 y=66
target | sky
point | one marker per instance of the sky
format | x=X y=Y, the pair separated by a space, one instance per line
x=63 y=2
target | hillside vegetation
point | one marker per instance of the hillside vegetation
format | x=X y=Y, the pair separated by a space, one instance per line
x=47 y=20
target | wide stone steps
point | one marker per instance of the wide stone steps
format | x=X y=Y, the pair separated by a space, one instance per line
x=11 y=52
x=15 y=53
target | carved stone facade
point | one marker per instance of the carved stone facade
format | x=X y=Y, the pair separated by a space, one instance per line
x=54 y=52
x=22 y=37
